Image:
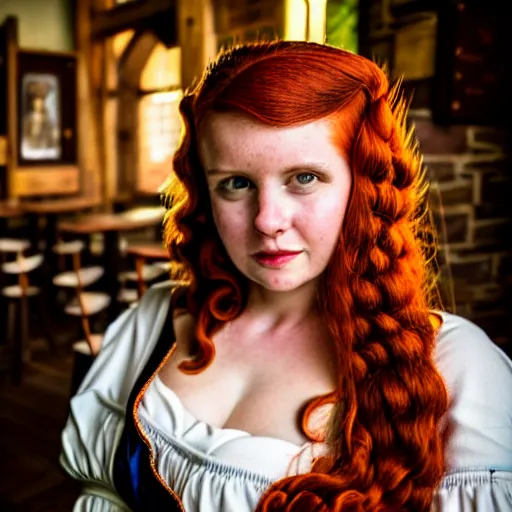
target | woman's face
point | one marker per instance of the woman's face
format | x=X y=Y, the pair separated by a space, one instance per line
x=278 y=196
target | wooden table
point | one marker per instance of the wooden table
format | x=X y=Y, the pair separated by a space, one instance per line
x=111 y=225
x=51 y=209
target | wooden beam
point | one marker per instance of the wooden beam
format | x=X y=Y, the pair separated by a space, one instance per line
x=89 y=83
x=3 y=150
x=126 y=16
x=11 y=27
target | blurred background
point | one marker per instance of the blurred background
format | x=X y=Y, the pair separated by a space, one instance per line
x=89 y=94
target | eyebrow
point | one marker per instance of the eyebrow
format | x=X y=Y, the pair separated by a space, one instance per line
x=313 y=166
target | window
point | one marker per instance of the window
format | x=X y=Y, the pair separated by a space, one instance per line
x=159 y=118
x=160 y=129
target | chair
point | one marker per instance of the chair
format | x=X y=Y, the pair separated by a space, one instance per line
x=17 y=296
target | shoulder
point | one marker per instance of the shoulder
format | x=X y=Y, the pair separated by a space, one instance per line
x=478 y=375
x=465 y=354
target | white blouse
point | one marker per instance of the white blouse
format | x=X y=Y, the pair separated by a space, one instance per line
x=208 y=465
x=228 y=470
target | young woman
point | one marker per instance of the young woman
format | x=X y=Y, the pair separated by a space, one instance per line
x=302 y=367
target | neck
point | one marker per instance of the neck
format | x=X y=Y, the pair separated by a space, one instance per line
x=282 y=309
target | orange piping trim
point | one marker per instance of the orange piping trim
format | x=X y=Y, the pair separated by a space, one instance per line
x=142 y=434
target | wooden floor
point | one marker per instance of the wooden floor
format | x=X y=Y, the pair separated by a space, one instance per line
x=32 y=416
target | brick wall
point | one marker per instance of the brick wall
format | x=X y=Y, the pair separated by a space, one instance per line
x=471 y=194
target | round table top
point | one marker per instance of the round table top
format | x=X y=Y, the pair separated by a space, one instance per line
x=154 y=251
x=103 y=222
x=62 y=205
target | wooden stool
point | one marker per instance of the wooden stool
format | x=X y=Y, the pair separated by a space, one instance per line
x=145 y=273
x=13 y=246
x=10 y=248
x=85 y=303
x=18 y=295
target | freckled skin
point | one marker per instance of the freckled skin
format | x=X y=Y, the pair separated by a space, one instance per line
x=275 y=189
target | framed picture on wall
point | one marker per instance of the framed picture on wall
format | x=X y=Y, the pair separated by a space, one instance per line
x=40 y=134
x=46 y=109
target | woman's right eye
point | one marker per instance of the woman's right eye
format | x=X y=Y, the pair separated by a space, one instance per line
x=234 y=184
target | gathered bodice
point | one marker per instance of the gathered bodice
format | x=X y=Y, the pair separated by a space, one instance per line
x=218 y=465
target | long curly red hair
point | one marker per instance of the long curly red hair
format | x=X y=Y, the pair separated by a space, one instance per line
x=385 y=449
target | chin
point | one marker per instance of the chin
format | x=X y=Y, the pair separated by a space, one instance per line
x=278 y=280
x=280 y=288
x=280 y=283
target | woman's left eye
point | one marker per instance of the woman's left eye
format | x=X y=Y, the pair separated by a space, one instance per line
x=305 y=178
x=235 y=184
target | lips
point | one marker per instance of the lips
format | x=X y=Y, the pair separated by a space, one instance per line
x=275 y=259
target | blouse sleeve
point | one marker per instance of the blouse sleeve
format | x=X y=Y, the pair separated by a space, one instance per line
x=94 y=501
x=477 y=428
x=96 y=413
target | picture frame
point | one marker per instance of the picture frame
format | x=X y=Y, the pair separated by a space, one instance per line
x=47 y=106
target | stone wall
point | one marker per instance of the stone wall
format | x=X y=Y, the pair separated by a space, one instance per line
x=471 y=194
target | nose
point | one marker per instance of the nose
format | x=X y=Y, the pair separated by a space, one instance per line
x=274 y=212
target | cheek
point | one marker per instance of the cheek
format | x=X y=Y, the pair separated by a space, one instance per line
x=230 y=222
x=325 y=217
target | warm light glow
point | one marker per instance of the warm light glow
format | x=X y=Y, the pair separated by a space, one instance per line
x=159 y=118
x=166 y=97
x=162 y=69
x=120 y=42
x=162 y=124
x=295 y=20
x=317 y=20
x=305 y=19
x=160 y=131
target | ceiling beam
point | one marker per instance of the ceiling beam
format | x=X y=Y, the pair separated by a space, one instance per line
x=126 y=16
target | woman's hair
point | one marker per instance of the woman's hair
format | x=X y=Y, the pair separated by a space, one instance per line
x=385 y=449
